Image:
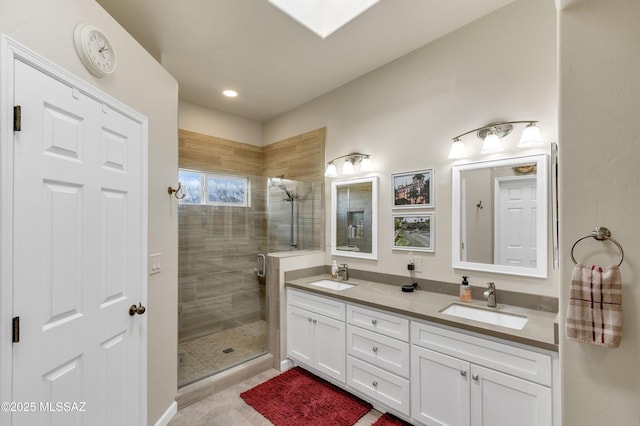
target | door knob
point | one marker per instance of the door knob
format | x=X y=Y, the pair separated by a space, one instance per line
x=137 y=309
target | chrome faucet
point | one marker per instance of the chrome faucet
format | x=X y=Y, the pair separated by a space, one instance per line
x=490 y=295
x=344 y=268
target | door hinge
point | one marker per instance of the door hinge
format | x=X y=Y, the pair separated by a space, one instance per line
x=16 y=330
x=17 y=118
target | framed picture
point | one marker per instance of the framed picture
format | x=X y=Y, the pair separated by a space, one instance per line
x=413 y=189
x=414 y=232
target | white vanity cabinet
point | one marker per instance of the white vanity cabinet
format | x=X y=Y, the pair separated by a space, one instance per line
x=461 y=380
x=316 y=333
x=426 y=373
x=378 y=361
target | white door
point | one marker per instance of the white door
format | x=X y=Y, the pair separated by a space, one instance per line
x=439 y=388
x=78 y=264
x=300 y=335
x=499 y=399
x=515 y=241
x=330 y=347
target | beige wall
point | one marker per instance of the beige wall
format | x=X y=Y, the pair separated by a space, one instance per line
x=140 y=82
x=198 y=119
x=599 y=152
x=501 y=67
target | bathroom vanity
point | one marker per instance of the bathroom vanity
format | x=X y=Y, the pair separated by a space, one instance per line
x=399 y=352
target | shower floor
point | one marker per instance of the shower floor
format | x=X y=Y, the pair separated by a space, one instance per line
x=203 y=356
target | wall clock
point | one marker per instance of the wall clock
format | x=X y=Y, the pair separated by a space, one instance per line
x=95 y=50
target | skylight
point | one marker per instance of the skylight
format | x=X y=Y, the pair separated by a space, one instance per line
x=323 y=17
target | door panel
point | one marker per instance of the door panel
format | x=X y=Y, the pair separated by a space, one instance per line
x=516 y=222
x=499 y=399
x=439 y=388
x=77 y=255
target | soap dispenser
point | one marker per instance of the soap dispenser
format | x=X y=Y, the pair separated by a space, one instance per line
x=465 y=290
x=334 y=269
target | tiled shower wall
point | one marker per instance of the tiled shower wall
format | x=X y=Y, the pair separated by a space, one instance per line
x=218 y=288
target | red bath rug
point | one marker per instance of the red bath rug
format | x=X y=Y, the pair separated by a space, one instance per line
x=297 y=397
x=390 y=420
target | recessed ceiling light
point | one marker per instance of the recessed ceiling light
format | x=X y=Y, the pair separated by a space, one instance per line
x=230 y=93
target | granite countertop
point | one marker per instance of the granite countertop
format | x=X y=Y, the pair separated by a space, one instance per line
x=540 y=330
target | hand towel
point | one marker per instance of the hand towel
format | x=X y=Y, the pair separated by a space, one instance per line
x=594 y=314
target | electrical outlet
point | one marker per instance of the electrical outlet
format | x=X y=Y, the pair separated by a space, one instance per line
x=417 y=263
x=154 y=263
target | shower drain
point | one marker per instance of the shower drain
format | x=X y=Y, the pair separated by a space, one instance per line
x=228 y=350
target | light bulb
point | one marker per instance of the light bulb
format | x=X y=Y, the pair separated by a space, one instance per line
x=457 y=150
x=331 y=170
x=530 y=136
x=491 y=143
x=365 y=165
x=347 y=167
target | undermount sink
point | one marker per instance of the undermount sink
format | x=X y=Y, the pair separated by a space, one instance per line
x=517 y=322
x=332 y=285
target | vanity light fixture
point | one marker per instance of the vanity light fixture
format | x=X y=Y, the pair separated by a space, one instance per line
x=351 y=161
x=491 y=135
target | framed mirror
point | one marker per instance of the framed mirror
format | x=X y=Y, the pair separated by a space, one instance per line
x=500 y=216
x=354 y=218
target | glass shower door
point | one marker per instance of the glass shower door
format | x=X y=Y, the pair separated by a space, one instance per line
x=222 y=319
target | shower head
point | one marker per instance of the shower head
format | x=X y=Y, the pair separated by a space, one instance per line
x=286 y=191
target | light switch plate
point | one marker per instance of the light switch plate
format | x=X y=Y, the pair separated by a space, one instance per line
x=154 y=263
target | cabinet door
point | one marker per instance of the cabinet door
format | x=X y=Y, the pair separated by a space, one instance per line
x=330 y=347
x=300 y=337
x=498 y=399
x=440 y=392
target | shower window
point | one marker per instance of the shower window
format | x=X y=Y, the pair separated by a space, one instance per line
x=192 y=184
x=220 y=190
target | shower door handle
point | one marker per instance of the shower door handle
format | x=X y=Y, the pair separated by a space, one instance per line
x=260 y=266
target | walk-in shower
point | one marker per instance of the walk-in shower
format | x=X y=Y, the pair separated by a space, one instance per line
x=223 y=319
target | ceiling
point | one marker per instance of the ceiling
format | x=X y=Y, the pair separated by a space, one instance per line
x=275 y=63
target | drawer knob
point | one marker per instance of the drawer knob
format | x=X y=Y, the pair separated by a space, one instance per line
x=374 y=383
x=315 y=321
x=375 y=349
x=463 y=373
x=309 y=319
x=374 y=322
x=475 y=377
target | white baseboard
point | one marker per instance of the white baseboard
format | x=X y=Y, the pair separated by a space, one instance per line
x=168 y=415
x=286 y=364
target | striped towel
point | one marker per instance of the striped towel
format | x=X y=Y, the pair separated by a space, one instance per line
x=594 y=314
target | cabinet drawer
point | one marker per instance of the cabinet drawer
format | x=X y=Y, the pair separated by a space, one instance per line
x=382 y=386
x=318 y=304
x=379 y=350
x=387 y=324
x=529 y=365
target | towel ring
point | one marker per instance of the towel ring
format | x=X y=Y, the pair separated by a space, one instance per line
x=600 y=233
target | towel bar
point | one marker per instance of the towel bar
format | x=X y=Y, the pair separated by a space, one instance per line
x=600 y=233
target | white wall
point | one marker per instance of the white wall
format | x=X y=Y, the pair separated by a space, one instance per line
x=199 y=119
x=501 y=67
x=599 y=152
x=140 y=82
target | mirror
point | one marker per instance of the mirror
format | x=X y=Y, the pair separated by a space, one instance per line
x=354 y=219
x=500 y=216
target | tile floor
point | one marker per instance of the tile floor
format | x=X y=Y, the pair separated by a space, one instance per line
x=208 y=354
x=226 y=408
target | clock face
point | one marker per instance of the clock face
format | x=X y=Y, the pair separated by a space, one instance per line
x=94 y=50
